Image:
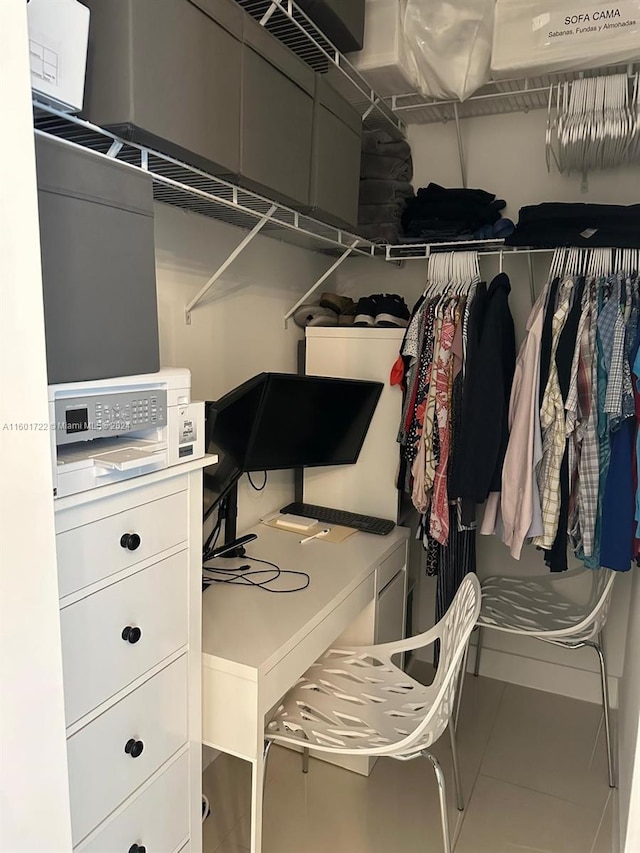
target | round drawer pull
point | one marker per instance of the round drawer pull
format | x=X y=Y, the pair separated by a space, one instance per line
x=130 y=541
x=134 y=747
x=136 y=848
x=131 y=634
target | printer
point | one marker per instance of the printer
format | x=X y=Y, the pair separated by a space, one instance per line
x=112 y=429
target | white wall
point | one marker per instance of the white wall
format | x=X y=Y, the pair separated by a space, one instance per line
x=239 y=329
x=505 y=155
x=34 y=800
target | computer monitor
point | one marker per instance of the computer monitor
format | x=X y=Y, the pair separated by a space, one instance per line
x=277 y=421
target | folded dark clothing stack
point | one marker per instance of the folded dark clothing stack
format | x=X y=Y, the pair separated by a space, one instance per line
x=386 y=170
x=440 y=214
x=554 y=224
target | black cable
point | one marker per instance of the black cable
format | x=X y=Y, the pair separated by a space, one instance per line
x=241 y=577
x=253 y=485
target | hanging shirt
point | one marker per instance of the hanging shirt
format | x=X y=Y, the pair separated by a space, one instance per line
x=439 y=527
x=552 y=422
x=516 y=502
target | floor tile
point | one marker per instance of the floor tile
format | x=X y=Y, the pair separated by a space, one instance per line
x=227 y=784
x=505 y=818
x=546 y=742
x=604 y=839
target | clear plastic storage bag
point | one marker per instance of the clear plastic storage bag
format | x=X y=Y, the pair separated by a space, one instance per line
x=451 y=43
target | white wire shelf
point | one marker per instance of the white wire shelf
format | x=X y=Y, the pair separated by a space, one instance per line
x=420 y=251
x=290 y=25
x=192 y=189
x=496 y=98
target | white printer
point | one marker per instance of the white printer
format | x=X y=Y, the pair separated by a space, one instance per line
x=113 y=429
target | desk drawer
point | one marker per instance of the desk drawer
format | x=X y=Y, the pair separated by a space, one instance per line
x=101 y=773
x=97 y=550
x=390 y=567
x=157 y=819
x=97 y=660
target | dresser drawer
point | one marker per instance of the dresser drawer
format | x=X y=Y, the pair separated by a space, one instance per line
x=94 y=551
x=100 y=656
x=102 y=774
x=157 y=819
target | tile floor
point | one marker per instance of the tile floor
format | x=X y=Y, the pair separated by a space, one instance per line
x=534 y=775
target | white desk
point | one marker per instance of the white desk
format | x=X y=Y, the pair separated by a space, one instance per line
x=255 y=645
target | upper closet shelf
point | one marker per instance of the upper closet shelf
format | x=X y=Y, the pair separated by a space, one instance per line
x=288 y=23
x=192 y=189
x=417 y=251
x=496 y=98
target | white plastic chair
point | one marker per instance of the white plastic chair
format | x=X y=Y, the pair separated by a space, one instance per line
x=355 y=701
x=535 y=606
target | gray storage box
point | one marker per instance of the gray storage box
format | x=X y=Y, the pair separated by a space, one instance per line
x=342 y=21
x=98 y=265
x=335 y=164
x=277 y=118
x=166 y=73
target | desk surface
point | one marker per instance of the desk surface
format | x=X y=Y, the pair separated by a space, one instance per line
x=247 y=631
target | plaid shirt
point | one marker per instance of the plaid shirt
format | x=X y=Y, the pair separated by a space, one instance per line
x=552 y=422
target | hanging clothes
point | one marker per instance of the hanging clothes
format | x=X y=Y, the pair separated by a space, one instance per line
x=581 y=351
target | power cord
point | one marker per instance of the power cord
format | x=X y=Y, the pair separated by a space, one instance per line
x=244 y=576
x=253 y=485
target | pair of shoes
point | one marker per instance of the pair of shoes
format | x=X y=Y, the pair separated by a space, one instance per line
x=382 y=309
x=315 y=315
x=336 y=302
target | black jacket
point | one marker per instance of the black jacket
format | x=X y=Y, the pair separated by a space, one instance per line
x=484 y=427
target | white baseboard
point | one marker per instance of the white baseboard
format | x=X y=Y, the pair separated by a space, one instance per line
x=544 y=675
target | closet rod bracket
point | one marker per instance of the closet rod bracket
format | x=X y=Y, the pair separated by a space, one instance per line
x=236 y=253
x=320 y=281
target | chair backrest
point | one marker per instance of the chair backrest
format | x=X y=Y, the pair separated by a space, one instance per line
x=455 y=630
x=600 y=600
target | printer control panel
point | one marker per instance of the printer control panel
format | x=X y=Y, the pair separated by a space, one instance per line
x=104 y=416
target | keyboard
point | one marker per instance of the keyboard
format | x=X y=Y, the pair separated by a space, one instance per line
x=326 y=515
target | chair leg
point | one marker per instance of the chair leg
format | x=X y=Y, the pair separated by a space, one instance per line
x=442 y=792
x=476 y=665
x=305 y=760
x=456 y=768
x=265 y=759
x=463 y=675
x=605 y=706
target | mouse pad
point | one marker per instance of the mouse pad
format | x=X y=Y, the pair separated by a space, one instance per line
x=336 y=533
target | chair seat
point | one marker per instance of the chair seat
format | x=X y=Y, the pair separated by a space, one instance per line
x=534 y=607
x=350 y=701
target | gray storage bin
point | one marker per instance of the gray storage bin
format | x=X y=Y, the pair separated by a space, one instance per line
x=342 y=21
x=335 y=164
x=98 y=265
x=277 y=118
x=166 y=73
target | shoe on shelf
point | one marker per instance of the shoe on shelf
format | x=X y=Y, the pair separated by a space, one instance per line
x=339 y=304
x=392 y=311
x=314 y=315
x=366 y=310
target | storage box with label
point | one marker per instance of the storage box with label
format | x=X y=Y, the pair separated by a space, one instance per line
x=536 y=37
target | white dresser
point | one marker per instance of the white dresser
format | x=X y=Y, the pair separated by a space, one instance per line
x=129 y=573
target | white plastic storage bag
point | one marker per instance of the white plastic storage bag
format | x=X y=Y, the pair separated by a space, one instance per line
x=451 y=42
x=545 y=36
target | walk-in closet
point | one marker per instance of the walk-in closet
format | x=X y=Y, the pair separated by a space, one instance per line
x=428 y=216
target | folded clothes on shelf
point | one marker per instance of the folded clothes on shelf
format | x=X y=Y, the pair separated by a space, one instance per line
x=386 y=168
x=378 y=191
x=440 y=214
x=381 y=232
x=368 y=214
x=554 y=224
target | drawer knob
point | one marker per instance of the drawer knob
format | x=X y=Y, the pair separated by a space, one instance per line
x=136 y=848
x=134 y=747
x=130 y=541
x=131 y=634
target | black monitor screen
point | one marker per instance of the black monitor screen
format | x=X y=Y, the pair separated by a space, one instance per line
x=218 y=479
x=281 y=420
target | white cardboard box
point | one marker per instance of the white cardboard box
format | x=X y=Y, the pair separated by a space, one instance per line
x=58 y=38
x=533 y=37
